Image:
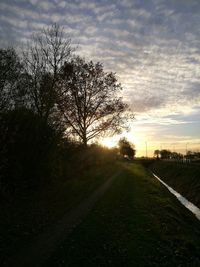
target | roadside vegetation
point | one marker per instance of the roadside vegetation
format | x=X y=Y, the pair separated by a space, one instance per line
x=52 y=104
x=29 y=212
x=190 y=156
x=137 y=223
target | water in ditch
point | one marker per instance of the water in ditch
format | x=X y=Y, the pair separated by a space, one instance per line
x=189 y=205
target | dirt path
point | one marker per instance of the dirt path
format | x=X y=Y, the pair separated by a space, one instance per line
x=42 y=247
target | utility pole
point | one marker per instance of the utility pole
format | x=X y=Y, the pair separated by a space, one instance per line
x=173 y=147
x=160 y=146
x=146 y=149
x=186 y=148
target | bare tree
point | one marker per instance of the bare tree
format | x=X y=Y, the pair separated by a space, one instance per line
x=43 y=58
x=89 y=100
x=10 y=75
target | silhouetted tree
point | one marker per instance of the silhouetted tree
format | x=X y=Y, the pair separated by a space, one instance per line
x=165 y=154
x=175 y=155
x=89 y=100
x=157 y=153
x=11 y=91
x=43 y=59
x=126 y=148
x=190 y=155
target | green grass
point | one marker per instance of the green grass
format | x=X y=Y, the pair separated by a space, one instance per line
x=137 y=223
x=28 y=215
x=184 y=178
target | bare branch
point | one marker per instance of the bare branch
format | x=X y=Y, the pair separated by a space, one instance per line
x=88 y=96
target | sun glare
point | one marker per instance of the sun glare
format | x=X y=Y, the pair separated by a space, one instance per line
x=113 y=141
x=135 y=137
x=109 y=142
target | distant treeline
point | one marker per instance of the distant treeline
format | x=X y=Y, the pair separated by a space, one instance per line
x=167 y=154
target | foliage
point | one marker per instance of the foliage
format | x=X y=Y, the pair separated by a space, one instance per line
x=193 y=155
x=126 y=149
x=167 y=154
x=48 y=100
x=157 y=153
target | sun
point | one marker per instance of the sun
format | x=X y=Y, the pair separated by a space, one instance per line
x=109 y=142
x=113 y=140
x=132 y=137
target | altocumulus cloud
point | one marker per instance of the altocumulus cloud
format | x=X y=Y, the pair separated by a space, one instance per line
x=154 y=45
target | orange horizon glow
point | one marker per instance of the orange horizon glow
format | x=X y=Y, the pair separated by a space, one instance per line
x=147 y=147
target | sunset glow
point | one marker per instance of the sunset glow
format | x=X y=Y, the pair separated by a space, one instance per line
x=149 y=45
x=73 y=73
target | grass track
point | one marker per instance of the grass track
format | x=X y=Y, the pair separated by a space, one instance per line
x=137 y=223
x=27 y=217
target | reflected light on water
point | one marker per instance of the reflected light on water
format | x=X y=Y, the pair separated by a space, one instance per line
x=189 y=205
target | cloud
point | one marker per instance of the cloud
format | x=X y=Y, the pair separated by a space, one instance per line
x=126 y=3
x=45 y=6
x=152 y=45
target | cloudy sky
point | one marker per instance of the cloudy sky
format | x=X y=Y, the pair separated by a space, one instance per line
x=152 y=45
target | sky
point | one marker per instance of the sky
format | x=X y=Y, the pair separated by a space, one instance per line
x=152 y=45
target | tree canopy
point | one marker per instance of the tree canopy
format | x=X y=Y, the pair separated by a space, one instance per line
x=167 y=154
x=89 y=100
x=126 y=149
x=47 y=98
x=43 y=59
x=68 y=92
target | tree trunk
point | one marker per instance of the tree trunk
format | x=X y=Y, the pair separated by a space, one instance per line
x=84 y=140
